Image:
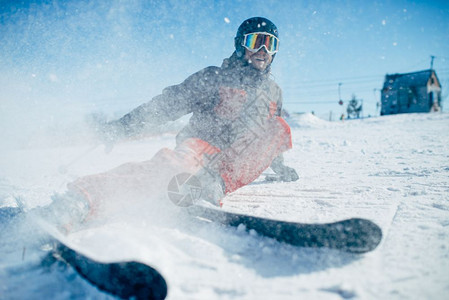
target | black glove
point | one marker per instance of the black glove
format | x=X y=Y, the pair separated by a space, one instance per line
x=109 y=133
x=287 y=174
x=283 y=173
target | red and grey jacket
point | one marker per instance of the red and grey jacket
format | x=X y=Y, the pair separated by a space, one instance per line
x=225 y=102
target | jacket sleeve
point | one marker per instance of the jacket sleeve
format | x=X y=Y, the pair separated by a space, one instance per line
x=174 y=102
x=279 y=102
x=278 y=162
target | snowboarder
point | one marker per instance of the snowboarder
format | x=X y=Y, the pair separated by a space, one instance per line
x=235 y=132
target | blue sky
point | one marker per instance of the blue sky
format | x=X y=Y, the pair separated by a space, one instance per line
x=113 y=55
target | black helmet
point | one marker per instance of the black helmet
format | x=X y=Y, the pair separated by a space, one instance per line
x=256 y=24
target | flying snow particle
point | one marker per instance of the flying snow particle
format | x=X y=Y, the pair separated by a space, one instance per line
x=53 y=77
x=241 y=228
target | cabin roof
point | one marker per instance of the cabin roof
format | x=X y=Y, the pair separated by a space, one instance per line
x=420 y=78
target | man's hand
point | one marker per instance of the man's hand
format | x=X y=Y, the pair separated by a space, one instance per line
x=287 y=174
x=283 y=173
x=109 y=133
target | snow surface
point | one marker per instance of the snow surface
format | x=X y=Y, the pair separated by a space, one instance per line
x=393 y=170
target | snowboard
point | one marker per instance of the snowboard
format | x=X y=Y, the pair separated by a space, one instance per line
x=124 y=279
x=354 y=235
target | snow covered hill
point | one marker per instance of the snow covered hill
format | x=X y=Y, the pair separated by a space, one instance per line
x=393 y=170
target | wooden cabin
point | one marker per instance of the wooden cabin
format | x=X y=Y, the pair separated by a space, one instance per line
x=411 y=93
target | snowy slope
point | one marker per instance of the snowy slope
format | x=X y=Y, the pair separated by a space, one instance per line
x=393 y=170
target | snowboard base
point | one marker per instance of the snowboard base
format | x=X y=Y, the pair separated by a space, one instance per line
x=127 y=279
x=354 y=235
x=123 y=279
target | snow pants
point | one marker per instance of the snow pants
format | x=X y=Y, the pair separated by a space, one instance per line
x=237 y=166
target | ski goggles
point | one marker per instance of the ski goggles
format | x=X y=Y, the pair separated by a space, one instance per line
x=256 y=40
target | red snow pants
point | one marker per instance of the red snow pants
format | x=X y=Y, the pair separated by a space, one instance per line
x=237 y=165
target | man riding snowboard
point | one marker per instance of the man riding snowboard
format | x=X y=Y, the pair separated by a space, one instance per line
x=235 y=132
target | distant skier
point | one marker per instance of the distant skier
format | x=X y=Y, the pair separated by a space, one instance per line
x=235 y=132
